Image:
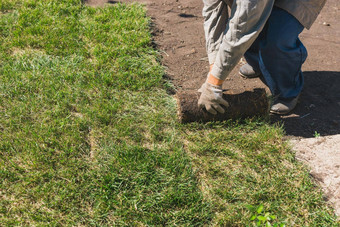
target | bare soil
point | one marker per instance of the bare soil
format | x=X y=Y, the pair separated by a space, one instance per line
x=178 y=33
x=242 y=104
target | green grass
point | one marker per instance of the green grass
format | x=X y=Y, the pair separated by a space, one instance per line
x=88 y=133
x=247 y=164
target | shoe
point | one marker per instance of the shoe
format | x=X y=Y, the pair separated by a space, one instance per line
x=283 y=106
x=247 y=71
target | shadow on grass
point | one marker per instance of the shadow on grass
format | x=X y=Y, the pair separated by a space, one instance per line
x=318 y=110
x=99 y=2
x=113 y=2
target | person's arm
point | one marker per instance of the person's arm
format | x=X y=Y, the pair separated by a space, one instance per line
x=248 y=18
x=215 y=14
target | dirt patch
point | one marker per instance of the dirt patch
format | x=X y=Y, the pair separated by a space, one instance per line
x=242 y=104
x=179 y=36
x=322 y=155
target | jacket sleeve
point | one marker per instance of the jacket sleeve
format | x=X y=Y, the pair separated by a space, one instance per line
x=248 y=18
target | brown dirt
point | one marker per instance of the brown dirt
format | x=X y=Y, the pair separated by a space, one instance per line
x=179 y=36
x=242 y=104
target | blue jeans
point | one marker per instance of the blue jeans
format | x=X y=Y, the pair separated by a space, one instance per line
x=279 y=54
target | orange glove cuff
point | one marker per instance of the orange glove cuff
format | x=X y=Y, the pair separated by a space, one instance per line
x=214 y=81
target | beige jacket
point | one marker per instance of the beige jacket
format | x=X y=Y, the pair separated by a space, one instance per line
x=306 y=11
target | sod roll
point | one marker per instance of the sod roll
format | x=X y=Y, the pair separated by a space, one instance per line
x=242 y=104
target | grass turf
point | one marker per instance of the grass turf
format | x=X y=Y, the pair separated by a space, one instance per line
x=89 y=135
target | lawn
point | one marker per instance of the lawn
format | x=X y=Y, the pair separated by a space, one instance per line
x=89 y=136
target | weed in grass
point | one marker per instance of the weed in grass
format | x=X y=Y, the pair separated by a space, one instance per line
x=316 y=134
x=262 y=218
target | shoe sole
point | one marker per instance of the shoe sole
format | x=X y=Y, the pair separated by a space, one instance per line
x=279 y=113
x=284 y=112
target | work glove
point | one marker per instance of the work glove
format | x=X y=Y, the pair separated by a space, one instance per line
x=211 y=98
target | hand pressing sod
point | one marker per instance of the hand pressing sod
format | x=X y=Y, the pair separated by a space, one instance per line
x=211 y=98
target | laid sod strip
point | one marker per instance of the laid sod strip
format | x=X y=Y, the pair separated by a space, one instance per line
x=243 y=166
x=89 y=136
x=87 y=129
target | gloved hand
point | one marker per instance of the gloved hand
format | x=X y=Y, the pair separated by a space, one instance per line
x=211 y=98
